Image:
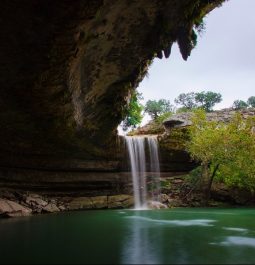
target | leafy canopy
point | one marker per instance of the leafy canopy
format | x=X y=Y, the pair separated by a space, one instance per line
x=204 y=100
x=251 y=101
x=155 y=108
x=239 y=104
x=228 y=147
x=207 y=100
x=187 y=100
x=134 y=112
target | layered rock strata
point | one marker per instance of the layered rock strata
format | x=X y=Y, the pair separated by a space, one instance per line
x=67 y=71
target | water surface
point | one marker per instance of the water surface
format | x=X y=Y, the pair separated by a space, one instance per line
x=205 y=236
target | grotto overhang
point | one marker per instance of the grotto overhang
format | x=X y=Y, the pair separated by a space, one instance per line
x=68 y=68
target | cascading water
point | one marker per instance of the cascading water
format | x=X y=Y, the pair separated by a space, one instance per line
x=138 y=166
x=154 y=167
x=136 y=150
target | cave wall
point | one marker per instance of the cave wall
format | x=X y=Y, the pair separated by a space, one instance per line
x=67 y=71
x=68 y=67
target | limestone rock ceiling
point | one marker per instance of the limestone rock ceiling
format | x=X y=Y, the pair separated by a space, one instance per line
x=68 y=67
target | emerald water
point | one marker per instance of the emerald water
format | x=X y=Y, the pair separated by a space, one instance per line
x=127 y=236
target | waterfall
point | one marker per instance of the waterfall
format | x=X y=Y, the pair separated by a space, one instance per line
x=138 y=167
x=136 y=146
x=154 y=167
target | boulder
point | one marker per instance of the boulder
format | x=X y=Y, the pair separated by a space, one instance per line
x=12 y=209
x=35 y=201
x=62 y=208
x=99 y=202
x=120 y=201
x=164 y=198
x=50 y=208
x=80 y=203
x=156 y=205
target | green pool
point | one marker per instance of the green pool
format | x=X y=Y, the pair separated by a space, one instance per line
x=207 y=236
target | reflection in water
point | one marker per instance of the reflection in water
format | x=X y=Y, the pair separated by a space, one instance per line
x=146 y=239
x=139 y=246
x=235 y=229
x=239 y=241
x=195 y=222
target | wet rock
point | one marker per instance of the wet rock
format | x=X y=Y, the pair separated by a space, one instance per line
x=53 y=201
x=120 y=201
x=177 y=181
x=5 y=194
x=99 y=202
x=156 y=205
x=12 y=209
x=50 y=208
x=35 y=201
x=174 y=203
x=164 y=198
x=62 y=208
x=80 y=203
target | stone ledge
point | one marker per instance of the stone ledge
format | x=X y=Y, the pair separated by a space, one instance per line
x=224 y=115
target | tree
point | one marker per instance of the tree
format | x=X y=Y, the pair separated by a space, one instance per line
x=187 y=100
x=155 y=108
x=134 y=112
x=226 y=149
x=251 y=101
x=206 y=100
x=239 y=104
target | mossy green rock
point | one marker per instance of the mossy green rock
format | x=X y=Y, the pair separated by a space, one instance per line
x=80 y=203
x=120 y=201
x=99 y=202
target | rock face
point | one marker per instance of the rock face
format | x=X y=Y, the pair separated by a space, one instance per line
x=120 y=201
x=12 y=209
x=67 y=72
x=19 y=204
x=50 y=208
x=67 y=69
x=184 y=119
x=172 y=142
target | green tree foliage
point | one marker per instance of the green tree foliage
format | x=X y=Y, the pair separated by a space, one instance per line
x=203 y=100
x=155 y=108
x=207 y=100
x=251 y=101
x=239 y=104
x=226 y=150
x=134 y=112
x=187 y=100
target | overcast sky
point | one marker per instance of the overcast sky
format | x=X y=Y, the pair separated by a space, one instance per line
x=223 y=61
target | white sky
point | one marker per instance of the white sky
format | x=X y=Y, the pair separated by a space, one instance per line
x=223 y=61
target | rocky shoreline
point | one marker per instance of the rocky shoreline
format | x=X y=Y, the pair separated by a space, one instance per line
x=17 y=204
x=175 y=192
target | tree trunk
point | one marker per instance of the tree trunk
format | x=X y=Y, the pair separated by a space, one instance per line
x=207 y=181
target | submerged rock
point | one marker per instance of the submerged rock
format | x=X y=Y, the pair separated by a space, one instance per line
x=12 y=209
